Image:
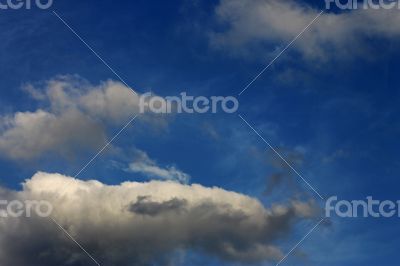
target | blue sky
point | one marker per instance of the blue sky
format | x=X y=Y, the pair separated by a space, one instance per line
x=329 y=104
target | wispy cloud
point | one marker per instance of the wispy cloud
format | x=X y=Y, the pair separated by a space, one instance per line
x=148 y=167
x=251 y=26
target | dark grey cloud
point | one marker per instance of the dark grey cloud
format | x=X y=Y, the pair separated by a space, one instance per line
x=283 y=175
x=145 y=206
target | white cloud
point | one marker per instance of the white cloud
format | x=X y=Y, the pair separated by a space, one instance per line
x=148 y=167
x=140 y=223
x=74 y=115
x=111 y=101
x=30 y=134
x=256 y=26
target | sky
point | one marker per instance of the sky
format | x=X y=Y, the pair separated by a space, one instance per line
x=238 y=188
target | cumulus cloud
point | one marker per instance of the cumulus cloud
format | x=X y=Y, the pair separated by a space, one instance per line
x=30 y=134
x=270 y=24
x=148 y=167
x=74 y=115
x=142 y=223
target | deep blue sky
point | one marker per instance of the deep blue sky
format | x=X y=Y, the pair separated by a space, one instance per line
x=340 y=115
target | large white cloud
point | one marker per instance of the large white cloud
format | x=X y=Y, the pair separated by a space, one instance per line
x=258 y=27
x=142 y=223
x=74 y=115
